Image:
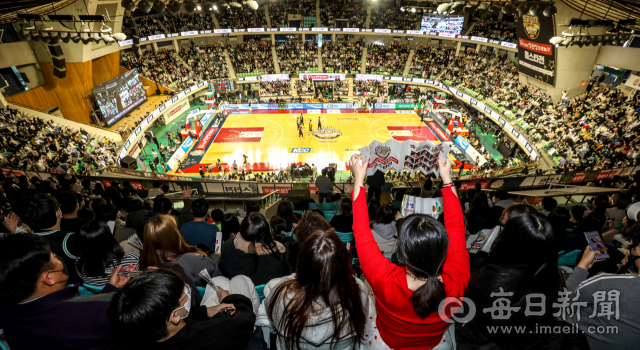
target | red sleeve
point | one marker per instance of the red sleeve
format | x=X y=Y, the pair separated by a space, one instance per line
x=376 y=267
x=456 y=265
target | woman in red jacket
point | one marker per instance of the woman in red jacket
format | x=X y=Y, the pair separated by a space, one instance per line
x=437 y=266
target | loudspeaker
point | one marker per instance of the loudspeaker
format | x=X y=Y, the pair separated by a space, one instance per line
x=128 y=162
x=59 y=62
x=60 y=73
x=136 y=39
x=56 y=50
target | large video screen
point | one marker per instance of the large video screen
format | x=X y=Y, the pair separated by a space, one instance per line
x=442 y=24
x=119 y=96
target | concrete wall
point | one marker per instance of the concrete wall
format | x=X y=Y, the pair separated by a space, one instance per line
x=16 y=54
x=621 y=57
x=33 y=74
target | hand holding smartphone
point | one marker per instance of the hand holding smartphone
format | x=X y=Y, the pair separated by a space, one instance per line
x=596 y=244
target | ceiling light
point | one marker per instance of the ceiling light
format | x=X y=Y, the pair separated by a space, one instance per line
x=413 y=9
x=587 y=41
x=523 y=8
x=159 y=6
x=144 y=6
x=24 y=35
x=443 y=7
x=198 y=6
x=509 y=9
x=556 y=40
x=534 y=10
x=27 y=25
x=76 y=39
x=550 y=11
x=66 y=38
x=128 y=5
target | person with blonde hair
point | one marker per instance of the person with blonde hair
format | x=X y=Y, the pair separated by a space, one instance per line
x=164 y=245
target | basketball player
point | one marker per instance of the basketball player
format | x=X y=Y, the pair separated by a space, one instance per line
x=244 y=159
x=310 y=126
x=319 y=123
x=300 y=133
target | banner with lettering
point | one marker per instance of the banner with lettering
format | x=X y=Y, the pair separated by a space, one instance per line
x=537 y=57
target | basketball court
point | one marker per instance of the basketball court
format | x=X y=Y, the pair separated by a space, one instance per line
x=271 y=141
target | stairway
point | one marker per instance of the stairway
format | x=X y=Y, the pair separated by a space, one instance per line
x=215 y=20
x=364 y=61
x=350 y=83
x=166 y=31
x=232 y=71
x=470 y=28
x=407 y=65
x=368 y=21
x=318 y=21
x=267 y=16
x=320 y=65
x=274 y=56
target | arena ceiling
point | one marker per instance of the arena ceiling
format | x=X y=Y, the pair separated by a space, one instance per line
x=9 y=8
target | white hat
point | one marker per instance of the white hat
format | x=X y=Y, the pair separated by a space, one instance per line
x=633 y=211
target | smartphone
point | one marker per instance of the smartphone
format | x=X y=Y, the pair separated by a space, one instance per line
x=596 y=244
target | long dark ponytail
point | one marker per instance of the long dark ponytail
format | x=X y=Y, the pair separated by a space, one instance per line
x=422 y=247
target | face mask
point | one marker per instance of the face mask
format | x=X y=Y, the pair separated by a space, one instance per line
x=187 y=305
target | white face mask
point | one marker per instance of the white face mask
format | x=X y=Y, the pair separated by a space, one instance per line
x=187 y=305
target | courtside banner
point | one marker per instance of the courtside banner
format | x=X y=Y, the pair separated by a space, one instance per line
x=304 y=105
x=404 y=106
x=337 y=105
x=384 y=106
x=326 y=76
x=377 y=77
x=536 y=56
x=274 y=77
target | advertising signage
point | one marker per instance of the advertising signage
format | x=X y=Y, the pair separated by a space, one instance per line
x=536 y=56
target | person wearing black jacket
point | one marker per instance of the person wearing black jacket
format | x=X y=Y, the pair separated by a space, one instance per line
x=375 y=182
x=152 y=312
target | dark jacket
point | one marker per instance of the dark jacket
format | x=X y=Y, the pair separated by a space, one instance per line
x=139 y=218
x=220 y=332
x=478 y=333
x=60 y=320
x=376 y=180
x=260 y=267
x=342 y=223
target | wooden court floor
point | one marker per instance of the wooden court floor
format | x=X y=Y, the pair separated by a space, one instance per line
x=269 y=139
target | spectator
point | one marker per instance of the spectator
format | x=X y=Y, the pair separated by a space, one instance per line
x=410 y=296
x=41 y=213
x=588 y=291
x=69 y=206
x=217 y=215
x=198 y=231
x=285 y=211
x=521 y=272
x=150 y=312
x=343 y=222
x=384 y=230
x=230 y=226
x=577 y=215
x=547 y=205
x=479 y=216
x=156 y=190
x=325 y=281
x=37 y=306
x=325 y=186
x=253 y=253
x=163 y=244
x=99 y=254
x=375 y=182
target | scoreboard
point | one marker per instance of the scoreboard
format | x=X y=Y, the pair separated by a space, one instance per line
x=222 y=86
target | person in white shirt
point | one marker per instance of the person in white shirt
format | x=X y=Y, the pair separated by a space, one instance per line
x=156 y=190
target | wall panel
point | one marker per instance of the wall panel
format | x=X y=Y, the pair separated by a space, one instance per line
x=106 y=68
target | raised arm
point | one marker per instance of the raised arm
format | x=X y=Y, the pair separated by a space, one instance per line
x=456 y=264
x=376 y=267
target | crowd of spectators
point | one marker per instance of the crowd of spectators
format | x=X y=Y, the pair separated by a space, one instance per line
x=141 y=258
x=206 y=61
x=185 y=22
x=30 y=143
x=387 y=58
x=165 y=65
x=389 y=16
x=342 y=56
x=353 y=12
x=369 y=88
x=146 y=25
x=429 y=61
x=250 y=57
x=236 y=17
x=296 y=56
x=275 y=88
x=304 y=87
x=278 y=15
x=495 y=29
